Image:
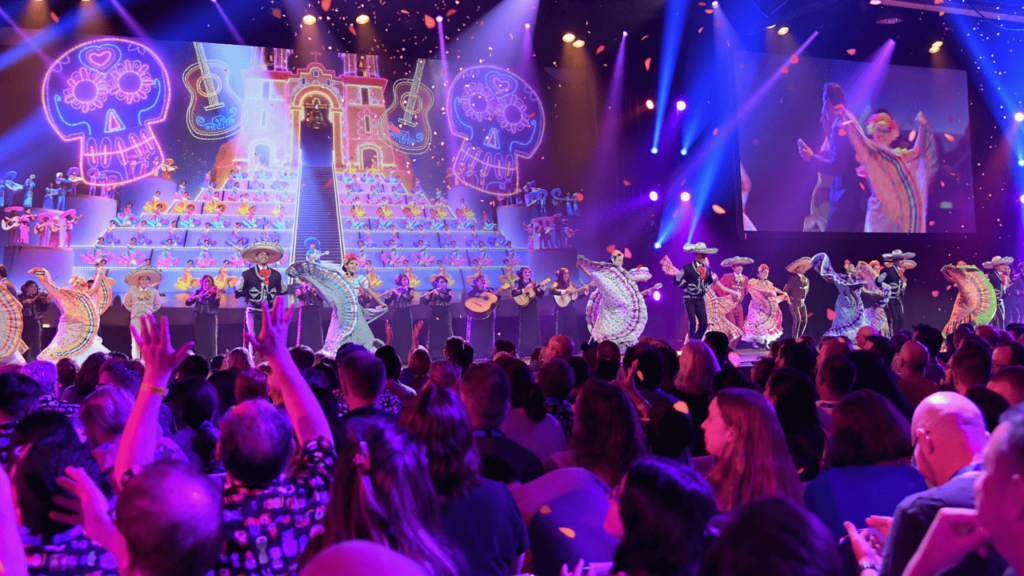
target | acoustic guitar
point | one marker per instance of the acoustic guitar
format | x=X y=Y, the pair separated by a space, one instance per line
x=566 y=298
x=480 y=307
x=214 y=110
x=405 y=123
x=527 y=296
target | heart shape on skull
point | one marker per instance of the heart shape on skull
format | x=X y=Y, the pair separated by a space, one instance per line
x=99 y=58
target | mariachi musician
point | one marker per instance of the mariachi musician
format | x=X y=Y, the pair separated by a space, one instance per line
x=439 y=326
x=526 y=292
x=480 y=303
x=566 y=292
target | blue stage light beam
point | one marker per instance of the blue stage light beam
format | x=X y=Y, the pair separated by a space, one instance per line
x=494 y=39
x=701 y=170
x=132 y=24
x=227 y=22
x=27 y=43
x=863 y=90
x=671 y=40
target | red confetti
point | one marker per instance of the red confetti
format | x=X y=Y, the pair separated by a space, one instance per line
x=785 y=70
x=794 y=59
x=851 y=51
x=935 y=293
x=709 y=11
x=599 y=49
x=715 y=132
x=325 y=4
x=831 y=314
x=647 y=64
x=450 y=12
x=627 y=183
x=913 y=135
x=699 y=30
x=54 y=17
x=627 y=253
x=276 y=12
x=717 y=209
x=842 y=132
x=352 y=29
x=950 y=137
x=645 y=37
x=429 y=21
x=406 y=12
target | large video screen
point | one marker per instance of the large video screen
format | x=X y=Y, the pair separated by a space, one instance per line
x=853 y=147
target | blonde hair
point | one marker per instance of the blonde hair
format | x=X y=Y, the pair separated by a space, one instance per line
x=237 y=360
x=105 y=412
x=697 y=368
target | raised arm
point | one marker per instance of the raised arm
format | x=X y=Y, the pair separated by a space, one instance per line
x=300 y=402
x=12 y=552
x=141 y=433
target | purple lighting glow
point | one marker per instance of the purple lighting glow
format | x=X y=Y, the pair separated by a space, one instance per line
x=657 y=295
x=653 y=195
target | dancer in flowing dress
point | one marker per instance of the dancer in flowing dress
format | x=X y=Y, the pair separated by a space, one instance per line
x=849 y=309
x=764 y=318
x=976 y=301
x=77 y=334
x=616 y=311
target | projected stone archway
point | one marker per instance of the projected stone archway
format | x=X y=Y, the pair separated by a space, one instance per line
x=326 y=97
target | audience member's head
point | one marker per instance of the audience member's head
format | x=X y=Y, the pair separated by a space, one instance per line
x=444 y=373
x=931 y=337
x=504 y=346
x=987 y=333
x=792 y=394
x=525 y=394
x=719 y=344
x=732 y=377
x=217 y=363
x=761 y=371
x=439 y=419
x=797 y=356
x=192 y=366
x=199 y=405
x=89 y=375
x=419 y=366
x=580 y=371
x=45 y=374
x=970 y=365
x=874 y=374
x=251 y=384
x=697 y=369
x=562 y=346
x=303 y=356
x=392 y=363
x=361 y=558
x=104 y=414
x=18 y=395
x=773 y=536
x=606 y=433
x=832 y=345
x=863 y=334
x=452 y=347
x=224 y=382
x=948 y=433
x=665 y=502
x=67 y=370
x=667 y=431
x=123 y=374
x=1006 y=355
x=255 y=442
x=835 y=377
x=882 y=346
x=743 y=433
x=168 y=536
x=1009 y=383
x=867 y=429
x=486 y=393
x=912 y=359
x=650 y=365
x=999 y=495
x=362 y=379
x=237 y=360
x=556 y=379
x=991 y=404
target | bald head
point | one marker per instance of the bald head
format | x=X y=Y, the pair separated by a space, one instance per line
x=949 y=433
x=1009 y=383
x=863 y=334
x=360 y=558
x=832 y=346
x=913 y=358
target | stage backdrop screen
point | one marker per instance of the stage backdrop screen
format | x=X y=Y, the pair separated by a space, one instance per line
x=894 y=157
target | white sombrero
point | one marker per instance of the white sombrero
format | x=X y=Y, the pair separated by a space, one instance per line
x=737 y=261
x=273 y=249
x=133 y=277
x=699 y=248
x=998 y=261
x=799 y=266
x=897 y=255
x=909 y=264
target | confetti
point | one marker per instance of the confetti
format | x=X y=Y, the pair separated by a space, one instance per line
x=325 y=5
x=950 y=137
x=785 y=70
x=831 y=314
x=450 y=12
x=717 y=209
x=913 y=135
x=626 y=183
x=569 y=532
x=545 y=509
x=647 y=64
x=599 y=49
x=429 y=21
x=699 y=30
x=276 y=13
x=794 y=58
x=935 y=293
x=851 y=51
x=53 y=16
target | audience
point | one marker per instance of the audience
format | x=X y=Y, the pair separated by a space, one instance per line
x=970 y=366
x=1006 y=355
x=749 y=446
x=698 y=367
x=932 y=339
x=445 y=373
x=792 y=394
x=874 y=374
x=834 y=379
x=415 y=376
x=910 y=365
x=18 y=395
x=251 y=384
x=992 y=405
x=867 y=468
x=392 y=369
x=556 y=380
x=528 y=423
x=1009 y=383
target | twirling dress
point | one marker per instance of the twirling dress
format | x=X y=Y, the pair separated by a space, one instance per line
x=12 y=323
x=976 y=301
x=875 y=299
x=849 y=307
x=764 y=318
x=616 y=311
x=718 y=308
x=77 y=331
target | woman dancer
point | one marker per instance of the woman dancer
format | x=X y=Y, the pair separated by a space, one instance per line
x=874 y=296
x=80 y=307
x=207 y=302
x=849 y=309
x=565 y=316
x=529 y=314
x=362 y=334
x=719 y=319
x=764 y=318
x=439 y=327
x=616 y=310
x=400 y=300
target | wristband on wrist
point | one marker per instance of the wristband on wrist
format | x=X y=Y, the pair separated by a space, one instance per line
x=156 y=390
x=867 y=564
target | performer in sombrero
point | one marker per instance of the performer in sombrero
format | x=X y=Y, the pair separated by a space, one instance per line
x=797 y=288
x=730 y=304
x=261 y=283
x=998 y=272
x=695 y=278
x=891 y=276
x=142 y=298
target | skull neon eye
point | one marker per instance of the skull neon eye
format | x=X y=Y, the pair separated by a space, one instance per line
x=477 y=101
x=512 y=115
x=131 y=82
x=86 y=90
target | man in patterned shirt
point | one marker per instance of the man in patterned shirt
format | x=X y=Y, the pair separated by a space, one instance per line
x=45 y=374
x=18 y=395
x=269 y=515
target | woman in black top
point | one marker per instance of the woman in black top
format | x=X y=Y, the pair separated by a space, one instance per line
x=479 y=330
x=400 y=301
x=529 y=315
x=311 y=328
x=565 y=317
x=33 y=304
x=207 y=302
x=440 y=324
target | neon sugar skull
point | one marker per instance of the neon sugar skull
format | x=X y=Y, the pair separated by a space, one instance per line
x=106 y=95
x=500 y=120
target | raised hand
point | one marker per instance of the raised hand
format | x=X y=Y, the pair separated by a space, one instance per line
x=955 y=533
x=159 y=356
x=806 y=153
x=864 y=546
x=272 y=342
x=93 y=508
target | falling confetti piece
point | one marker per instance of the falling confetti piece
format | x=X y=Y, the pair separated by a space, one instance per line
x=627 y=253
x=645 y=37
x=950 y=137
x=626 y=183
x=935 y=293
x=325 y=4
x=717 y=209
x=352 y=29
x=699 y=30
x=913 y=135
x=681 y=407
x=276 y=12
x=54 y=17
x=715 y=132
x=579 y=196
x=831 y=315
x=647 y=64
x=599 y=49
x=785 y=70
x=406 y=12
x=545 y=509
x=610 y=248
x=675 y=214
x=842 y=132
x=851 y=51
x=569 y=532
x=810 y=314
x=450 y=12
x=709 y=11
x=429 y=21
x=794 y=59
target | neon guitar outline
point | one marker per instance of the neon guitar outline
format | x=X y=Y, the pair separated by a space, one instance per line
x=405 y=123
x=209 y=80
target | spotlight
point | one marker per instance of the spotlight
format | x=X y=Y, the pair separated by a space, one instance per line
x=934 y=49
x=1019 y=116
x=568 y=38
x=654 y=150
x=649 y=104
x=937 y=43
x=875 y=2
x=527 y=25
x=625 y=33
x=363 y=19
x=657 y=245
x=684 y=151
x=657 y=295
x=653 y=195
x=579 y=43
x=1022 y=198
x=1020 y=162
x=685 y=196
x=680 y=105
x=439 y=19
x=783 y=31
x=714 y=4
x=309 y=19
